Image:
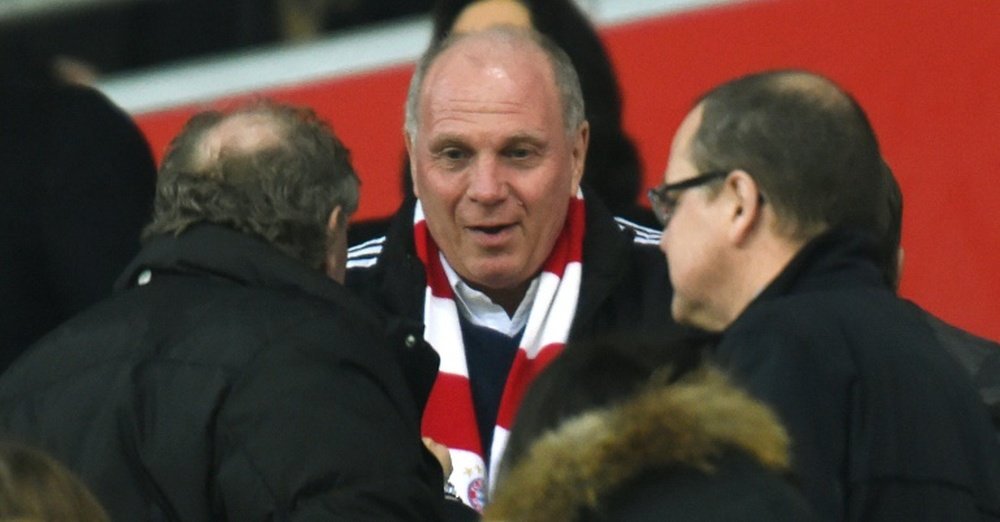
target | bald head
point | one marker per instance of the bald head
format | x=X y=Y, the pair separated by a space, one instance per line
x=490 y=51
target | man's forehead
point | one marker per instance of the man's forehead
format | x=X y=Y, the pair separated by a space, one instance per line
x=686 y=132
x=680 y=148
x=478 y=61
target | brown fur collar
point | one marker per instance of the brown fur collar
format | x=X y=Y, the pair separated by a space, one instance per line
x=687 y=423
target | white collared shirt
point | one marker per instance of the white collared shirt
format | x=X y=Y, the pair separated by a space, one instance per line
x=478 y=309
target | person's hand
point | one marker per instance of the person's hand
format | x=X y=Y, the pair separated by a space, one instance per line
x=443 y=455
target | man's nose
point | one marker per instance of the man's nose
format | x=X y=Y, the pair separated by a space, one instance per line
x=487 y=183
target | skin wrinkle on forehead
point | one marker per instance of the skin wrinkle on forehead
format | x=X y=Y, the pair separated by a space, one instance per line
x=450 y=99
x=502 y=107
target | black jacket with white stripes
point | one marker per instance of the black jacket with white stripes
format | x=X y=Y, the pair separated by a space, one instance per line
x=625 y=288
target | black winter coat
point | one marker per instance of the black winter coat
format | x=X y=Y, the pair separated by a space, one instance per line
x=227 y=381
x=885 y=424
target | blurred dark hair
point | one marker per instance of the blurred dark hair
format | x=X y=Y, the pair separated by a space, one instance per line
x=889 y=229
x=34 y=486
x=599 y=373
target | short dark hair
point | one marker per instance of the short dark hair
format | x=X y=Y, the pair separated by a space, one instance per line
x=889 y=231
x=597 y=373
x=283 y=193
x=804 y=140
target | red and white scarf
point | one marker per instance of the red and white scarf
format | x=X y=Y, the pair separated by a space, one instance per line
x=449 y=417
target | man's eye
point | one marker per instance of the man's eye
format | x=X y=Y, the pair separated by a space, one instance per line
x=520 y=153
x=453 y=154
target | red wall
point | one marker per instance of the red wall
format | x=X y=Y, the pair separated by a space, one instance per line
x=926 y=71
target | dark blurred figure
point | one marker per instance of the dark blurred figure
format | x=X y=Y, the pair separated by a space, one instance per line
x=624 y=430
x=179 y=29
x=35 y=487
x=76 y=189
x=979 y=356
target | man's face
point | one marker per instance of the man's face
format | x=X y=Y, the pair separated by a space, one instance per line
x=492 y=163
x=693 y=239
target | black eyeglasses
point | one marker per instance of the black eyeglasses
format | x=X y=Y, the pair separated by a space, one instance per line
x=663 y=204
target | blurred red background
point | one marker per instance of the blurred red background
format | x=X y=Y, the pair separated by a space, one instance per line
x=925 y=70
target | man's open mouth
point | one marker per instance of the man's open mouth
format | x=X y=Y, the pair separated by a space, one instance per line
x=496 y=229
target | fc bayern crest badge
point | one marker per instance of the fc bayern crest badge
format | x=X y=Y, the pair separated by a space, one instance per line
x=477 y=494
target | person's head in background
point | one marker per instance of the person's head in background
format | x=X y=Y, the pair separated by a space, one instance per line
x=34 y=62
x=34 y=487
x=598 y=373
x=612 y=169
x=642 y=429
x=273 y=171
x=889 y=230
x=77 y=188
x=765 y=163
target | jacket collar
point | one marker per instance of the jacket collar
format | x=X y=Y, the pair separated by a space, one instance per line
x=216 y=251
x=209 y=250
x=605 y=258
x=840 y=258
x=687 y=424
x=402 y=280
x=605 y=247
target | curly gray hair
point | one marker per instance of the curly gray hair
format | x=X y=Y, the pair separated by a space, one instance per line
x=282 y=189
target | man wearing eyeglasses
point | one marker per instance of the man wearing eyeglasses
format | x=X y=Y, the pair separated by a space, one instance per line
x=772 y=182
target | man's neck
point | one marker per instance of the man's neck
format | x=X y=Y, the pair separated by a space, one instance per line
x=507 y=298
x=764 y=263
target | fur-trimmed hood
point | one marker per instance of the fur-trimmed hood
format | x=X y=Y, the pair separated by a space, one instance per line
x=687 y=424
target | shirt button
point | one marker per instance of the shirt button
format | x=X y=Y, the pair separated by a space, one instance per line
x=411 y=341
x=144 y=277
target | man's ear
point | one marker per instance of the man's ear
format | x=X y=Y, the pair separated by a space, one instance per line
x=335 y=263
x=580 y=142
x=334 y=222
x=413 y=164
x=746 y=205
x=900 y=257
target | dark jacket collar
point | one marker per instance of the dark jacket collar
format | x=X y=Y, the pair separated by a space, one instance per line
x=837 y=259
x=216 y=251
x=605 y=257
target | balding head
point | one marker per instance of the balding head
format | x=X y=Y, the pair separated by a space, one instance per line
x=804 y=140
x=273 y=171
x=506 y=44
x=239 y=134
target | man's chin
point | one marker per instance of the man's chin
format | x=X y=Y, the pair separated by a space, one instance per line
x=688 y=313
